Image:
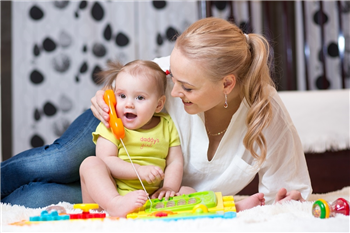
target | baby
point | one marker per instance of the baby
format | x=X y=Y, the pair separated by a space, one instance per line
x=151 y=139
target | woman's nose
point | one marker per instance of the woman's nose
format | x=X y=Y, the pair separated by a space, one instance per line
x=175 y=92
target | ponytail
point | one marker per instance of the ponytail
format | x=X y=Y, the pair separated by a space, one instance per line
x=256 y=92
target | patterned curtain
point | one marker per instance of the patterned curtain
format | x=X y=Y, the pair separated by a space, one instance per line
x=245 y=14
x=59 y=45
x=323 y=33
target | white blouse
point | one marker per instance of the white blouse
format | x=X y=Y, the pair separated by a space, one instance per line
x=233 y=167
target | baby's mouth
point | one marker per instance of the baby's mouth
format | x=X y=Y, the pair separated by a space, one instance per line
x=130 y=116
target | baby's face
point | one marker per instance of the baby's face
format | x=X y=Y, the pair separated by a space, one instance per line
x=137 y=99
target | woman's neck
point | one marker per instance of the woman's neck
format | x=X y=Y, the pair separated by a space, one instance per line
x=217 y=121
x=218 y=118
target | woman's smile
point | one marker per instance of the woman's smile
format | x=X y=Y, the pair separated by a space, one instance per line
x=187 y=103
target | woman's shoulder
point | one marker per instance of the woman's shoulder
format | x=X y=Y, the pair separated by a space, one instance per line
x=278 y=106
x=163 y=62
x=281 y=120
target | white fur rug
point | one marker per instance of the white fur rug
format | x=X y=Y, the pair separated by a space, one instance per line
x=287 y=217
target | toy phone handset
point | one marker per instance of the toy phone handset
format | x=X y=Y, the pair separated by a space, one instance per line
x=115 y=123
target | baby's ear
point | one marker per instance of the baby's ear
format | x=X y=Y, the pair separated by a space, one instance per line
x=161 y=102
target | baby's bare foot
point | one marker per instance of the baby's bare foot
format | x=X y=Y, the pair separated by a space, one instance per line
x=250 y=202
x=120 y=206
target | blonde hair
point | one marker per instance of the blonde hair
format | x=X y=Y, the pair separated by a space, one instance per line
x=145 y=68
x=222 y=49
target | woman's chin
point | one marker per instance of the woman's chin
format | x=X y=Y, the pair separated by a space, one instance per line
x=190 y=111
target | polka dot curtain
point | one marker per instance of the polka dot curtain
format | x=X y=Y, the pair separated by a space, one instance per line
x=326 y=49
x=59 y=45
x=245 y=14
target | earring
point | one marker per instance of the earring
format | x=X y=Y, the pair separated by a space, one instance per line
x=226 y=104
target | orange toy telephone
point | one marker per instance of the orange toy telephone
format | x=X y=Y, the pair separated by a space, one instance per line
x=115 y=123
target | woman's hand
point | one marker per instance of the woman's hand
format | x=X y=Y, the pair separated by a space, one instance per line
x=283 y=196
x=99 y=108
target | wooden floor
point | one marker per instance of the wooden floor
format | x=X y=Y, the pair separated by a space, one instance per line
x=329 y=171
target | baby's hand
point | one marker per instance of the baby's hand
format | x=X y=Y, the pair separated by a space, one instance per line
x=164 y=192
x=151 y=174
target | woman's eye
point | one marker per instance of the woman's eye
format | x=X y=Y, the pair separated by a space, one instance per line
x=140 y=97
x=186 y=89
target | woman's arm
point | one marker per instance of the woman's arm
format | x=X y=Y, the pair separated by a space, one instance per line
x=173 y=174
x=284 y=175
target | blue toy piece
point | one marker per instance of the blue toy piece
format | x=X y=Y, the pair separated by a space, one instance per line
x=46 y=216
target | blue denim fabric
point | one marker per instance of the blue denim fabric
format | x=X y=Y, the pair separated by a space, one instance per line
x=49 y=174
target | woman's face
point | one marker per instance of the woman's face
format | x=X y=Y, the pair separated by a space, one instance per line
x=193 y=86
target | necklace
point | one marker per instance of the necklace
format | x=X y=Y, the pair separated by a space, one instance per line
x=216 y=134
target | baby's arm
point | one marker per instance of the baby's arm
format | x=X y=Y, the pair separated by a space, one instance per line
x=108 y=152
x=173 y=174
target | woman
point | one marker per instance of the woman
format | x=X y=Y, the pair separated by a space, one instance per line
x=231 y=121
x=236 y=125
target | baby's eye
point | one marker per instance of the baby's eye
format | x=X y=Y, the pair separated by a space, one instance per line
x=122 y=96
x=140 y=97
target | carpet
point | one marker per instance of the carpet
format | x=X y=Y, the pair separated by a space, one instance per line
x=291 y=216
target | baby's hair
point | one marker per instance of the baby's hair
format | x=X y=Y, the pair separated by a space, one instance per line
x=145 y=68
x=221 y=48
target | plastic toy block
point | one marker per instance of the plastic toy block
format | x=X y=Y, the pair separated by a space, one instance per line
x=86 y=212
x=205 y=204
x=46 y=216
x=87 y=215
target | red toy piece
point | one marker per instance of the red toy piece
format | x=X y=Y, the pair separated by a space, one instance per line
x=86 y=212
x=341 y=206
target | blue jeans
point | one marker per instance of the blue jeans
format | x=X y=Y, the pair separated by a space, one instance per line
x=49 y=174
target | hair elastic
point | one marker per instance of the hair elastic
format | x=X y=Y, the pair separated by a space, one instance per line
x=247 y=37
x=167 y=72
